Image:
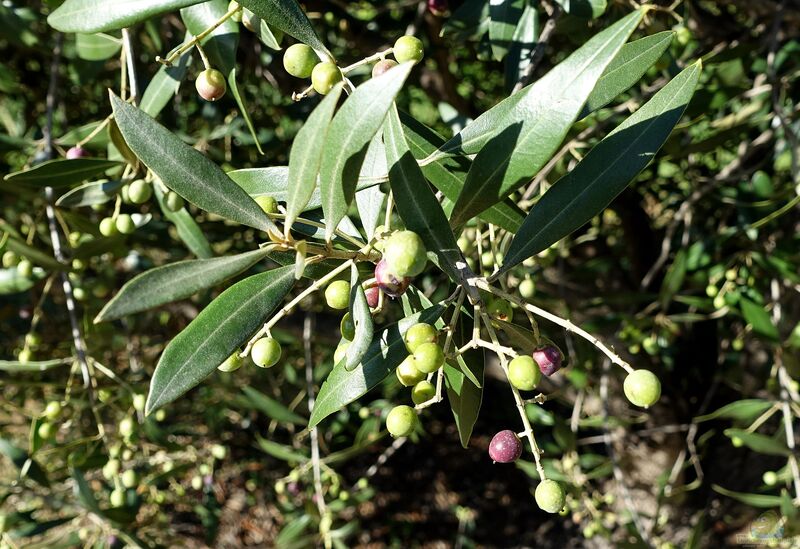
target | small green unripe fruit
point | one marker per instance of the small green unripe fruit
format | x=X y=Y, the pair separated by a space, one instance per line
x=737 y=344
x=408 y=48
x=140 y=191
x=423 y=392
x=173 y=201
x=25 y=268
x=46 y=430
x=10 y=259
x=325 y=76
x=712 y=290
x=79 y=294
x=550 y=496
x=125 y=224
x=267 y=203
x=407 y=372
x=126 y=427
x=266 y=352
x=347 y=327
x=500 y=309
x=337 y=294
x=129 y=478
x=25 y=356
x=382 y=67
x=527 y=288
x=219 y=451
x=428 y=357
x=737 y=442
x=211 y=85
x=340 y=352
x=524 y=373
x=52 y=410
x=418 y=334
x=405 y=254
x=111 y=469
x=300 y=60
x=117 y=498
x=770 y=478
x=108 y=226
x=401 y=421
x=232 y=363
x=642 y=388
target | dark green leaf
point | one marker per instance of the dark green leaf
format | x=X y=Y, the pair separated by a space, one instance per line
x=673 y=280
x=463 y=392
x=61 y=172
x=503 y=18
x=284 y=453
x=448 y=174
x=289 y=17
x=185 y=170
x=604 y=172
x=349 y=135
x=384 y=354
x=754 y=500
x=758 y=318
x=362 y=319
x=271 y=407
x=518 y=136
x=104 y=15
x=21 y=460
x=588 y=9
x=216 y=333
x=89 y=194
x=627 y=69
x=741 y=410
x=416 y=203
x=33 y=365
x=175 y=281
x=522 y=44
x=164 y=85
x=306 y=156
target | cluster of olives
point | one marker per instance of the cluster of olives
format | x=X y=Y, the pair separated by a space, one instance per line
x=23 y=265
x=301 y=61
x=136 y=192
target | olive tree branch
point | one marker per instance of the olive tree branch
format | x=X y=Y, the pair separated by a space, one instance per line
x=186 y=46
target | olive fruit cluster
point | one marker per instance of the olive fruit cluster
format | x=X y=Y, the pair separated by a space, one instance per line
x=404 y=257
x=406 y=48
x=525 y=372
x=23 y=265
x=301 y=61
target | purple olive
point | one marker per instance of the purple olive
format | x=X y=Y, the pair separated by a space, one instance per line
x=388 y=283
x=549 y=359
x=373 y=294
x=76 y=152
x=505 y=447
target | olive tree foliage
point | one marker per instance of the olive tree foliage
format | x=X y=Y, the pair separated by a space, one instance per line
x=401 y=228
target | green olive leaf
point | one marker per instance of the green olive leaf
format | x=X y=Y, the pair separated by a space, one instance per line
x=175 y=281
x=522 y=45
x=288 y=16
x=362 y=319
x=349 y=135
x=503 y=18
x=416 y=203
x=61 y=172
x=164 y=85
x=306 y=155
x=89 y=194
x=185 y=170
x=385 y=353
x=218 y=331
x=518 y=136
x=102 y=15
x=604 y=172
x=760 y=443
x=463 y=394
x=627 y=69
x=97 y=47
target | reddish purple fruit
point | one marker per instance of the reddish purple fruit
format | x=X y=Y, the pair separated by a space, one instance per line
x=437 y=7
x=76 y=152
x=388 y=283
x=373 y=294
x=549 y=359
x=505 y=447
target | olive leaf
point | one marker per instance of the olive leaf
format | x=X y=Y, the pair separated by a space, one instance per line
x=288 y=16
x=165 y=84
x=362 y=319
x=61 y=172
x=102 y=15
x=215 y=333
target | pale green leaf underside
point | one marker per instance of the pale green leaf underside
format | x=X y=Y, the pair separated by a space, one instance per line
x=216 y=333
x=105 y=15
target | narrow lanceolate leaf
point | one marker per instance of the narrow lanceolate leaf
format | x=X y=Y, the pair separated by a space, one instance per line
x=216 y=333
x=188 y=229
x=627 y=69
x=604 y=172
x=385 y=353
x=185 y=170
x=102 y=15
x=370 y=201
x=288 y=16
x=22 y=461
x=760 y=443
x=362 y=319
x=519 y=142
x=306 y=155
x=349 y=135
x=416 y=203
x=448 y=174
x=522 y=44
x=61 y=173
x=757 y=317
x=89 y=194
x=176 y=281
x=503 y=17
x=463 y=394
x=164 y=85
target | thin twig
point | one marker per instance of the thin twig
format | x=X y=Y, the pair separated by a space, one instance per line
x=127 y=44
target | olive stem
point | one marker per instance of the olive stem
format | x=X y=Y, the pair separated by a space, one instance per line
x=379 y=56
x=555 y=319
x=203 y=57
x=196 y=40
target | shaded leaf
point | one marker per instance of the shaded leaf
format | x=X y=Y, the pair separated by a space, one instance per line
x=288 y=16
x=503 y=18
x=27 y=467
x=760 y=443
x=218 y=331
x=758 y=318
x=522 y=44
x=741 y=410
x=756 y=500
x=188 y=230
x=164 y=85
x=362 y=319
x=284 y=453
x=271 y=407
x=89 y=194
x=61 y=172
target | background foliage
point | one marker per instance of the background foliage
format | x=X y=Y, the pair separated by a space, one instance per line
x=692 y=272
